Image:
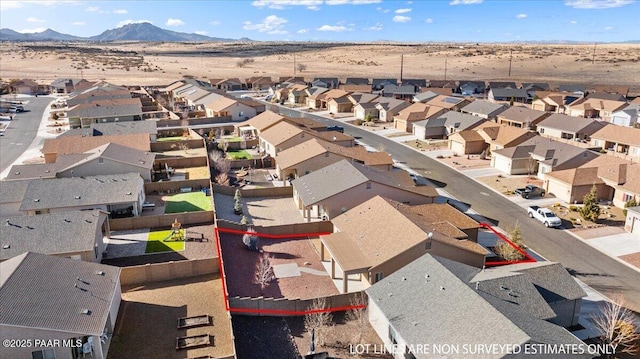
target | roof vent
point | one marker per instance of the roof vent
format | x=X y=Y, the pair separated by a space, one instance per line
x=404 y=278
x=36 y=200
x=86 y=312
x=128 y=193
x=390 y=294
x=88 y=221
x=17 y=173
x=7 y=223
x=426 y=276
x=503 y=287
x=441 y=288
x=6 y=246
x=67 y=221
x=100 y=272
x=513 y=294
x=78 y=197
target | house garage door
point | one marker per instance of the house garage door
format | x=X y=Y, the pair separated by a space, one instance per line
x=636 y=226
x=333 y=108
x=457 y=147
x=502 y=163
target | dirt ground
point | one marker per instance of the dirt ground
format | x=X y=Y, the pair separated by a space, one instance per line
x=162 y=63
x=147 y=323
x=507 y=185
x=239 y=265
x=462 y=162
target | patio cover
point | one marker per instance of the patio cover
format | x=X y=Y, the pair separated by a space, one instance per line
x=345 y=252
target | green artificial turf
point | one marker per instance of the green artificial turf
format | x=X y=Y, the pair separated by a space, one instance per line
x=155 y=243
x=188 y=202
x=239 y=155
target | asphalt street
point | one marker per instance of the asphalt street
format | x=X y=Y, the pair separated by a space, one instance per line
x=596 y=269
x=22 y=130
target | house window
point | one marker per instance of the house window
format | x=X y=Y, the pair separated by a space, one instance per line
x=100 y=160
x=596 y=143
x=43 y=354
x=635 y=151
x=541 y=130
x=368 y=185
x=393 y=335
x=626 y=197
x=378 y=277
x=95 y=251
x=326 y=154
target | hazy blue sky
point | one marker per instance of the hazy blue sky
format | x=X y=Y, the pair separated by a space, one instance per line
x=342 y=20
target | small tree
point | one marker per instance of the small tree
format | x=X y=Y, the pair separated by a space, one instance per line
x=359 y=316
x=250 y=240
x=590 y=209
x=237 y=208
x=367 y=118
x=301 y=67
x=616 y=324
x=244 y=220
x=508 y=252
x=222 y=179
x=318 y=319
x=630 y=203
x=237 y=196
x=263 y=273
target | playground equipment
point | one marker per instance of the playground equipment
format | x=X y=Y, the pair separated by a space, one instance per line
x=177 y=232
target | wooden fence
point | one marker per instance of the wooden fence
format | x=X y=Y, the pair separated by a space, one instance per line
x=161 y=221
x=157 y=272
x=283 y=306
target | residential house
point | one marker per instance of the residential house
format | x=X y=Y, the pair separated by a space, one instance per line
x=502 y=136
x=356 y=81
x=589 y=107
x=107 y=159
x=569 y=128
x=618 y=139
x=256 y=124
x=315 y=154
x=448 y=102
x=115 y=129
x=356 y=88
x=404 y=92
x=340 y=104
x=467 y=142
x=359 y=97
x=553 y=101
x=259 y=82
x=534 y=87
x=320 y=101
x=313 y=91
x=98 y=92
x=417 y=83
x=424 y=96
x=627 y=116
x=11 y=195
x=280 y=137
x=108 y=110
x=308 y=124
x=297 y=95
x=365 y=110
x=236 y=109
x=56 y=301
x=576 y=89
x=606 y=96
x=66 y=85
x=121 y=195
x=416 y=112
x=442 y=84
x=75 y=235
x=573 y=184
x=502 y=85
x=521 y=117
x=470 y=88
x=519 y=305
x=632 y=222
x=27 y=87
x=507 y=95
x=373 y=250
x=540 y=155
x=618 y=90
x=483 y=109
x=69 y=145
x=292 y=80
x=390 y=108
x=622 y=176
x=335 y=189
x=326 y=82
x=379 y=84
x=229 y=84
x=445 y=124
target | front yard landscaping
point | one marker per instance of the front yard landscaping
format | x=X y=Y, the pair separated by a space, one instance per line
x=156 y=244
x=187 y=202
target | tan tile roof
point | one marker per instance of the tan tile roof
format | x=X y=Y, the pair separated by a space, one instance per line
x=417 y=112
x=577 y=176
x=334 y=93
x=345 y=250
x=620 y=134
x=468 y=136
x=356 y=88
x=597 y=104
x=263 y=121
x=299 y=153
x=446 y=101
x=279 y=133
x=506 y=135
x=329 y=135
x=441 y=212
x=220 y=104
x=315 y=147
x=79 y=144
x=521 y=114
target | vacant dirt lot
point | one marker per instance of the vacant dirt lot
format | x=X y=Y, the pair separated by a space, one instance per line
x=161 y=63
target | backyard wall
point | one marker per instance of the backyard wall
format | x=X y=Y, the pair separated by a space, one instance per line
x=237 y=145
x=158 y=272
x=175 y=186
x=281 y=230
x=161 y=221
x=183 y=162
x=255 y=192
x=175 y=145
x=255 y=163
x=193 y=121
x=285 y=304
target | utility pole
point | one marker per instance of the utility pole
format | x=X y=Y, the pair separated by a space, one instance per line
x=294 y=64
x=445 y=69
x=510 y=59
x=401 y=67
x=593 y=58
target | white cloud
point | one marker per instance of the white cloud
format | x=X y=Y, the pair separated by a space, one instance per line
x=129 y=21
x=332 y=28
x=573 y=22
x=302 y=31
x=609 y=28
x=465 y=2
x=200 y=32
x=597 y=4
x=270 y=24
x=11 y=4
x=120 y=11
x=31 y=31
x=403 y=11
x=174 y=22
x=309 y=4
x=78 y=23
x=376 y=27
x=92 y=9
x=521 y=16
x=215 y=22
x=35 y=19
x=313 y=7
x=409 y=2
x=400 y=18
x=429 y=21
x=352 y=2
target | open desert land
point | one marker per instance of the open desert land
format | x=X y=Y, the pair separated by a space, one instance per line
x=161 y=63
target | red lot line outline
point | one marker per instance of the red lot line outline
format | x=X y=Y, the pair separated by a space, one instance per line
x=268 y=311
x=527 y=257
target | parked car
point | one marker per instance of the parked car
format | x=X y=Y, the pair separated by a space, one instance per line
x=335 y=128
x=530 y=191
x=544 y=215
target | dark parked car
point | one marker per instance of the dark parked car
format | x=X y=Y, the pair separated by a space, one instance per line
x=335 y=128
x=530 y=191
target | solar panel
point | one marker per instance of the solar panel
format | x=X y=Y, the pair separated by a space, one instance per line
x=451 y=100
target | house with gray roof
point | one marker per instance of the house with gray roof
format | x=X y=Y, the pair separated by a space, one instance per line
x=338 y=187
x=388 y=108
x=424 y=96
x=121 y=195
x=507 y=95
x=484 y=109
x=404 y=92
x=115 y=128
x=501 y=85
x=428 y=300
x=446 y=124
x=578 y=89
x=11 y=195
x=627 y=116
x=540 y=155
x=75 y=235
x=107 y=110
x=58 y=300
x=356 y=81
x=523 y=117
x=379 y=84
x=326 y=82
x=568 y=127
x=470 y=88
